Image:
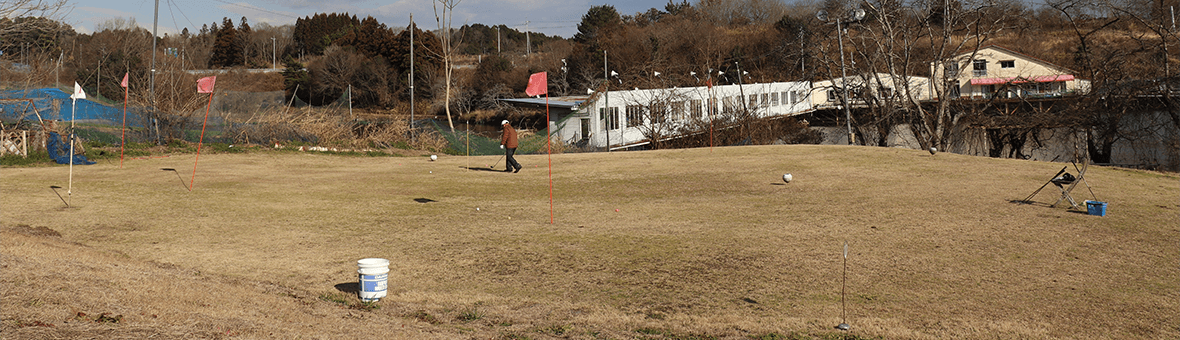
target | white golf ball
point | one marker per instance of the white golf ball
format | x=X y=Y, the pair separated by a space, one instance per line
x=787 y=178
x=433 y=158
x=432 y=172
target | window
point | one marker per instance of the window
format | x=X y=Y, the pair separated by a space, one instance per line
x=696 y=108
x=954 y=90
x=979 y=68
x=612 y=119
x=712 y=107
x=634 y=115
x=952 y=69
x=678 y=110
x=833 y=95
x=753 y=101
x=789 y=97
x=765 y=100
x=774 y=99
x=1007 y=64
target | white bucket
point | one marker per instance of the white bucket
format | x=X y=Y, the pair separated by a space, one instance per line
x=374 y=278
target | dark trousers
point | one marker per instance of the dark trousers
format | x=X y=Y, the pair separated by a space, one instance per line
x=509 y=161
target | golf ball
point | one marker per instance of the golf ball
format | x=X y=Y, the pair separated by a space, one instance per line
x=433 y=158
x=432 y=172
x=476 y=209
x=787 y=178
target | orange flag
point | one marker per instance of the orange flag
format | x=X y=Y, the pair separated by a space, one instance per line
x=205 y=85
x=124 y=83
x=538 y=84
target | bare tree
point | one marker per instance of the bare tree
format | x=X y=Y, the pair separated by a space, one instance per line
x=443 y=11
x=47 y=9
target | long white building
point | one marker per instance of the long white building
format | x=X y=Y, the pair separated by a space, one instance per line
x=622 y=119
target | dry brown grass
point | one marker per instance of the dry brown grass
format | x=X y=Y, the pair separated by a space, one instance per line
x=704 y=243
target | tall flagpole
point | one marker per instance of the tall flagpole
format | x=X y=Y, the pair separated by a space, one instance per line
x=203 y=124
x=123 y=139
x=73 y=117
x=411 y=76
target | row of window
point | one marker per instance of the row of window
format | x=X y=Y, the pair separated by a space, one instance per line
x=684 y=110
x=978 y=67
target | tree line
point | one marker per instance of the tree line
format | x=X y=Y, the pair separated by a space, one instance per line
x=1125 y=47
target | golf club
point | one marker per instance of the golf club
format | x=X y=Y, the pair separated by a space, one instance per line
x=177 y=176
x=63 y=200
x=493 y=166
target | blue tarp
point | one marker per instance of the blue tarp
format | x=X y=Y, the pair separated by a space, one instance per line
x=60 y=153
x=44 y=99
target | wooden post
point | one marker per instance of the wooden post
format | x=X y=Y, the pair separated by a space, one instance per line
x=24 y=140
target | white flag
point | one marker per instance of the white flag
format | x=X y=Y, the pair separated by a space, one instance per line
x=78 y=92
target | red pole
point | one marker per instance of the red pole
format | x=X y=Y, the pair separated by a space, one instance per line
x=123 y=139
x=199 y=142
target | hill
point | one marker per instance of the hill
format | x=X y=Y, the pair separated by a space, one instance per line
x=694 y=243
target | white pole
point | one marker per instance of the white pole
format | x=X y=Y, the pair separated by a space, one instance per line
x=73 y=117
x=350 y=102
x=274 y=49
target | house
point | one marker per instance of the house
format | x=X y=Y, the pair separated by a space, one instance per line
x=623 y=119
x=993 y=70
x=881 y=88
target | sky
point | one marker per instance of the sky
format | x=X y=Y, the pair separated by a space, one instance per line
x=551 y=17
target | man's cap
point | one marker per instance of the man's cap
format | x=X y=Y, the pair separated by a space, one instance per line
x=505 y=122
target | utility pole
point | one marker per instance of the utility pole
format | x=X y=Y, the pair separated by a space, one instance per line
x=497 y=40
x=274 y=62
x=152 y=74
x=528 y=43
x=411 y=76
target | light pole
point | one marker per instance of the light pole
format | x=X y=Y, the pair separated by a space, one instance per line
x=273 y=51
x=855 y=15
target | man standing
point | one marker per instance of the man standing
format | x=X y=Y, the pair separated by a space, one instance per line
x=508 y=143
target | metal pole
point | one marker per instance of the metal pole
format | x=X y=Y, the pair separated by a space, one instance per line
x=411 y=76
x=152 y=74
x=843 y=83
x=497 y=40
x=274 y=49
x=606 y=97
x=740 y=90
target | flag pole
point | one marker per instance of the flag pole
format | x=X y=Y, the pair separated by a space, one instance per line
x=73 y=117
x=203 y=124
x=123 y=138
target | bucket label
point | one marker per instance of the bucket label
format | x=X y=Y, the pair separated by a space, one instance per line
x=374 y=283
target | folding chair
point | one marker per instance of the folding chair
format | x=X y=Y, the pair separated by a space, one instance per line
x=1066 y=183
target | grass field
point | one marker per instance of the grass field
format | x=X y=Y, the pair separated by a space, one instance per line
x=675 y=244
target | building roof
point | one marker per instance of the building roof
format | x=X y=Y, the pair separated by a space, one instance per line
x=569 y=102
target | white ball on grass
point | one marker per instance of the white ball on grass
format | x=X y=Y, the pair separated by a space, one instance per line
x=787 y=178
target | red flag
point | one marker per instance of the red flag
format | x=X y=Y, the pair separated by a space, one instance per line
x=205 y=85
x=710 y=83
x=538 y=84
x=124 y=83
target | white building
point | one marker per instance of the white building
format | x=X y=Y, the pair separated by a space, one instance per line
x=994 y=70
x=621 y=119
x=877 y=86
